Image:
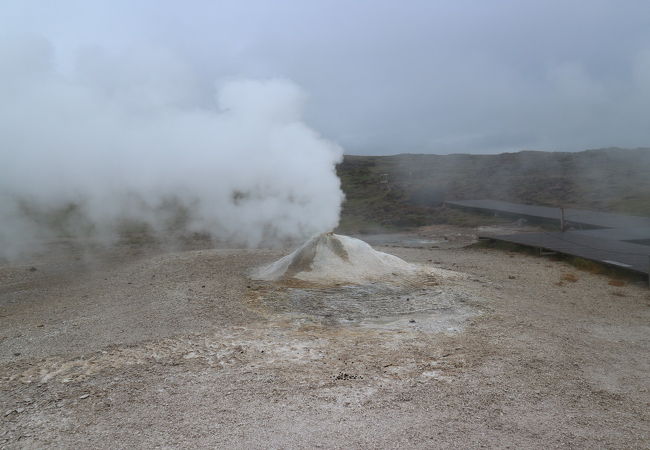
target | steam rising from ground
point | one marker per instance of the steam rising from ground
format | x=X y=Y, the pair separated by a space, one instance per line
x=129 y=140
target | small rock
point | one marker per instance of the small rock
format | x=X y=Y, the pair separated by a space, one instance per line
x=412 y=321
x=81 y=397
x=16 y=354
x=33 y=269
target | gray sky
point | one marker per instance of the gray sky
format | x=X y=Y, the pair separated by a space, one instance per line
x=387 y=77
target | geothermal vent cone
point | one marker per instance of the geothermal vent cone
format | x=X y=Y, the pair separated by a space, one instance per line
x=331 y=257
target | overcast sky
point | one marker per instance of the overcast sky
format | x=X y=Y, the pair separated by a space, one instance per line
x=387 y=77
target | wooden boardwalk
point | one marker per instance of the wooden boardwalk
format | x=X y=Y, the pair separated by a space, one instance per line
x=572 y=216
x=612 y=239
x=629 y=256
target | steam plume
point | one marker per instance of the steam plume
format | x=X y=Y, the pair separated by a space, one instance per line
x=130 y=139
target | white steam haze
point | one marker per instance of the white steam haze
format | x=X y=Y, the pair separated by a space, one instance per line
x=387 y=77
x=126 y=137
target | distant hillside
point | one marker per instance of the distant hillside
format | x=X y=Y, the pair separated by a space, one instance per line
x=407 y=190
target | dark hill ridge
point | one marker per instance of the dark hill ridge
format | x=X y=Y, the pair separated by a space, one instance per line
x=408 y=190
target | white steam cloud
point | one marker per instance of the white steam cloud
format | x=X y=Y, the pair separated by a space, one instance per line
x=129 y=139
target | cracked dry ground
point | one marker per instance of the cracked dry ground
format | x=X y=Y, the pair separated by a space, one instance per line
x=143 y=348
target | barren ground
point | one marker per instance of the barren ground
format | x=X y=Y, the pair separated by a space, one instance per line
x=140 y=347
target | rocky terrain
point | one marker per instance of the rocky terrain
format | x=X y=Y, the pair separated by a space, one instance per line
x=141 y=347
x=408 y=190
